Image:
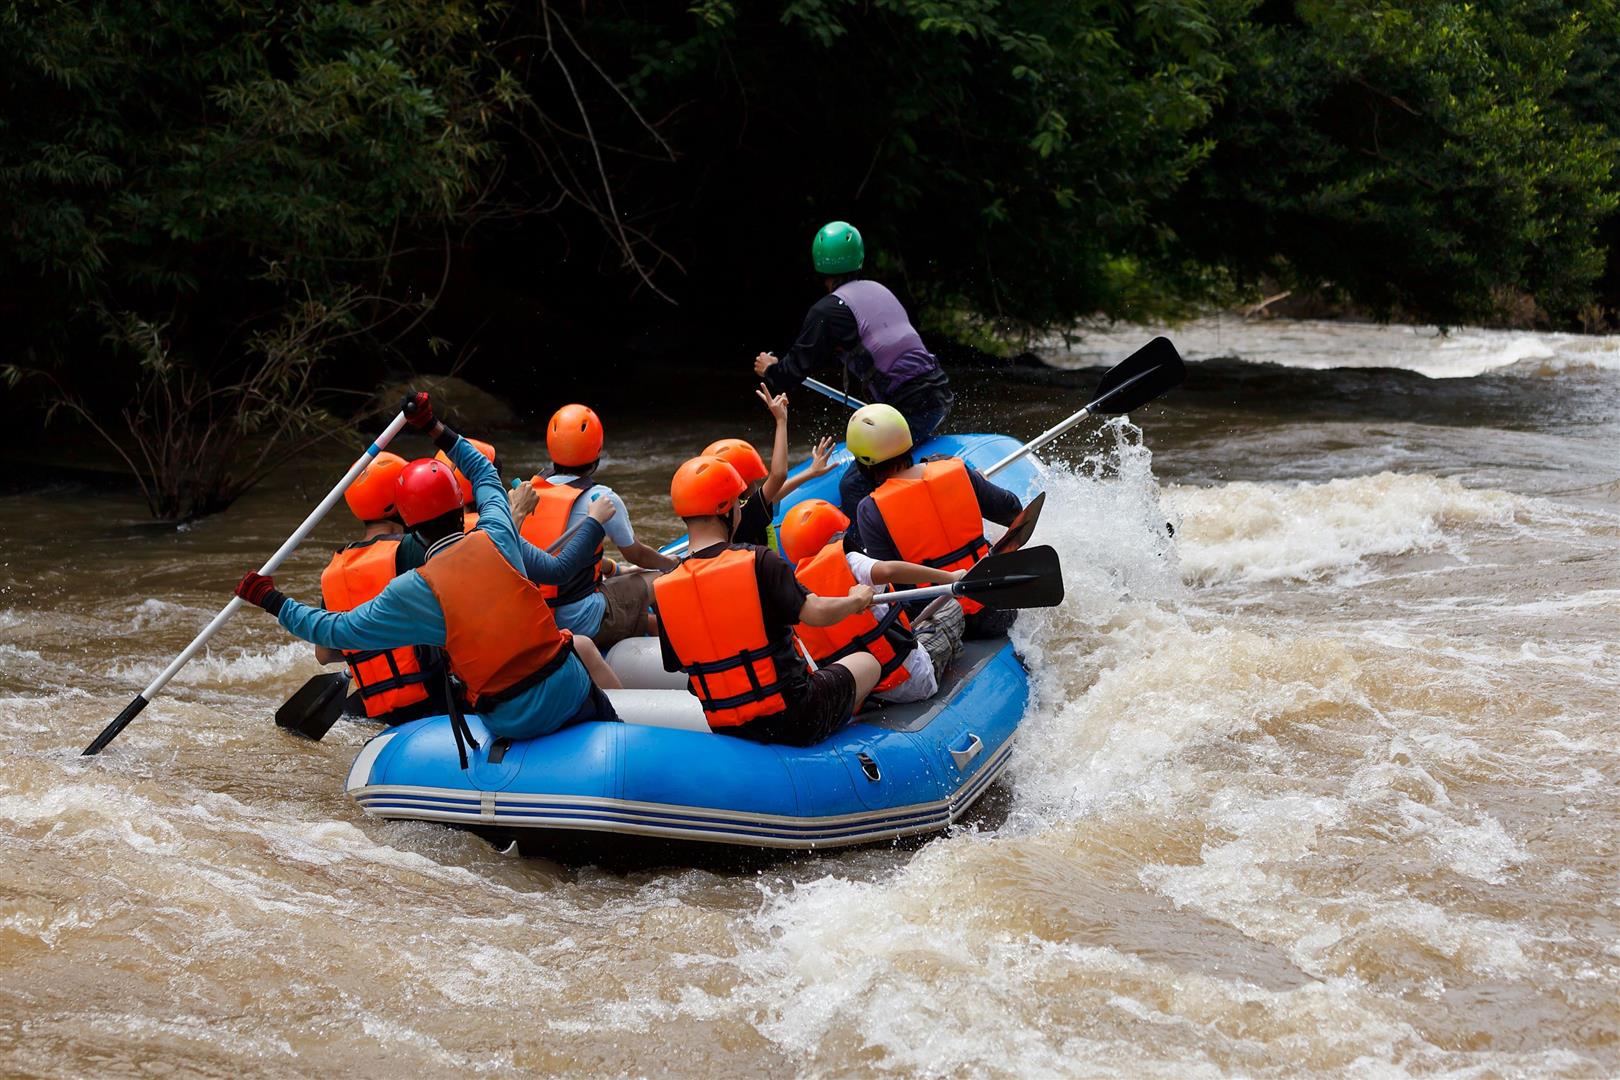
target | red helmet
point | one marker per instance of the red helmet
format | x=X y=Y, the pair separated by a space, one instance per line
x=461 y=481
x=427 y=488
x=705 y=485
x=808 y=527
x=574 y=436
x=371 y=496
x=741 y=456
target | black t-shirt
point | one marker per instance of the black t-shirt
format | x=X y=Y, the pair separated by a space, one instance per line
x=754 y=522
x=781 y=598
x=831 y=335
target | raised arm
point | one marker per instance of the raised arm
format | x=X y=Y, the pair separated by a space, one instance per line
x=778 y=405
x=820 y=465
x=489 y=495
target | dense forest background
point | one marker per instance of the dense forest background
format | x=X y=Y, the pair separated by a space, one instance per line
x=226 y=224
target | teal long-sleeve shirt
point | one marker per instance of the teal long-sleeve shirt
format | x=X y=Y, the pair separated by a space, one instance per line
x=407 y=612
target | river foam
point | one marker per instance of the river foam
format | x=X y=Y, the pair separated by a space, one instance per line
x=1456 y=353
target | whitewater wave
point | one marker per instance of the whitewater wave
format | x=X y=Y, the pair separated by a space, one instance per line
x=246 y=666
x=1267 y=531
x=1460 y=353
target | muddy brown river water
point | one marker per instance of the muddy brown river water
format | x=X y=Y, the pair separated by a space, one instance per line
x=1324 y=785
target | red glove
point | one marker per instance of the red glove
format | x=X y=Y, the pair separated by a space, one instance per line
x=258 y=589
x=418 y=410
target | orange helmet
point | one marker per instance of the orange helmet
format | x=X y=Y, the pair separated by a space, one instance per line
x=705 y=485
x=742 y=457
x=371 y=496
x=574 y=436
x=426 y=489
x=461 y=481
x=808 y=527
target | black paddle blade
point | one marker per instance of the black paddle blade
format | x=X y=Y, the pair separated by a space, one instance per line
x=1139 y=378
x=1023 y=526
x=1028 y=578
x=316 y=706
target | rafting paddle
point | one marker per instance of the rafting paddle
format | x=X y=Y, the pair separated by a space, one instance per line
x=1028 y=578
x=833 y=392
x=1129 y=384
x=144 y=698
x=316 y=706
x=1022 y=527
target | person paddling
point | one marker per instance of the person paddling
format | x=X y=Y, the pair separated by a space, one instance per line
x=475 y=595
x=726 y=618
x=392 y=685
x=606 y=609
x=931 y=512
x=913 y=658
x=862 y=325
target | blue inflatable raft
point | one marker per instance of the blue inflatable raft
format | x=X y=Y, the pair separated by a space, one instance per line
x=896 y=771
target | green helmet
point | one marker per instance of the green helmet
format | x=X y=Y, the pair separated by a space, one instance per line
x=837 y=248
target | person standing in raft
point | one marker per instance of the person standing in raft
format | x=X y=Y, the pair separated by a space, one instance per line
x=726 y=618
x=931 y=512
x=392 y=685
x=863 y=325
x=606 y=609
x=475 y=595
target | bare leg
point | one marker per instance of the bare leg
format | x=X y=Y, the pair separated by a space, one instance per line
x=591 y=657
x=866 y=669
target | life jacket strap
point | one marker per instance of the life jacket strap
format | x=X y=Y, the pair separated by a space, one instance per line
x=978 y=547
x=746 y=660
x=396 y=680
x=889 y=627
x=458 y=720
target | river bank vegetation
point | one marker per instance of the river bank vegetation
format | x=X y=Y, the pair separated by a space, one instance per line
x=225 y=224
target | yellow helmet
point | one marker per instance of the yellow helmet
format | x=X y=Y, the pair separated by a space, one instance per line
x=877 y=433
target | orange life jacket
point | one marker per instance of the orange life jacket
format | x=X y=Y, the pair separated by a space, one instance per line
x=499 y=632
x=710 y=611
x=935 y=519
x=546 y=525
x=469 y=518
x=889 y=639
x=388 y=679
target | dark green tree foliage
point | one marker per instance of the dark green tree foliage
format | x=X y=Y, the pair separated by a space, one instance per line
x=208 y=205
x=1424 y=158
x=1002 y=157
x=203 y=199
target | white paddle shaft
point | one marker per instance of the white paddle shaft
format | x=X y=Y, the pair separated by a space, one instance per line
x=906 y=596
x=1039 y=441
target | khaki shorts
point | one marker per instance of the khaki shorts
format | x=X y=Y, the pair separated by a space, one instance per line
x=628 y=597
